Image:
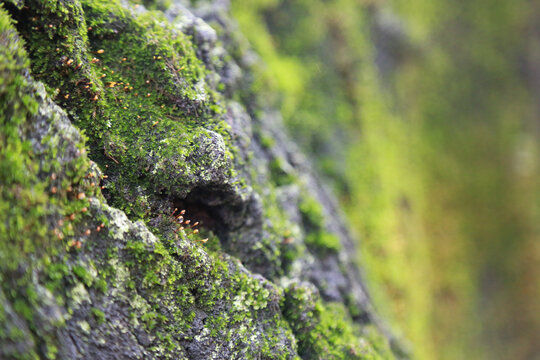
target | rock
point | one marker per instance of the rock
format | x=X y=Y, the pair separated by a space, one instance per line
x=114 y=267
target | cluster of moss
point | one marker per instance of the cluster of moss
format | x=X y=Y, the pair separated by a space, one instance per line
x=44 y=194
x=134 y=85
x=137 y=89
x=327 y=328
x=313 y=51
x=314 y=222
x=173 y=284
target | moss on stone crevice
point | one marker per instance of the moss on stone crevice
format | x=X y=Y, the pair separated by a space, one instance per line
x=147 y=111
x=85 y=276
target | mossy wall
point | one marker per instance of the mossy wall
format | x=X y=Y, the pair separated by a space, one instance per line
x=153 y=205
x=124 y=123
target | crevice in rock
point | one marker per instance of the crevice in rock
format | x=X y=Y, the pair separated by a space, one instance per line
x=217 y=209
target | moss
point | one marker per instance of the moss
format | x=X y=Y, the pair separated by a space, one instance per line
x=267 y=141
x=323 y=242
x=317 y=237
x=311 y=50
x=326 y=330
x=280 y=175
x=186 y=289
x=99 y=315
x=18 y=172
x=154 y=122
x=282 y=234
x=83 y=274
x=102 y=285
x=135 y=86
x=37 y=190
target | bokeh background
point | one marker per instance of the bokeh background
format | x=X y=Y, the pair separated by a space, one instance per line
x=424 y=116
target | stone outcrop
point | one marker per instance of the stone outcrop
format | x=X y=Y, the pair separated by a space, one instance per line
x=122 y=127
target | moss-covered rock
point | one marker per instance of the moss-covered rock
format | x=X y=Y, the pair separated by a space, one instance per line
x=151 y=208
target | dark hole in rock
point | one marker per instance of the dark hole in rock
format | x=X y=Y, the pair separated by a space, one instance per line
x=218 y=210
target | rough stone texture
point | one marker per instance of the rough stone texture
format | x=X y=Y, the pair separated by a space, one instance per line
x=170 y=123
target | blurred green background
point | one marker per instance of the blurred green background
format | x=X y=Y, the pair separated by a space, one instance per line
x=424 y=117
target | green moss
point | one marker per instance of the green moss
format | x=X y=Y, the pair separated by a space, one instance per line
x=267 y=141
x=323 y=242
x=83 y=274
x=56 y=274
x=283 y=236
x=102 y=285
x=135 y=86
x=404 y=156
x=196 y=284
x=312 y=212
x=138 y=90
x=99 y=315
x=18 y=173
x=317 y=238
x=36 y=192
x=326 y=330
x=312 y=51
x=280 y=175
